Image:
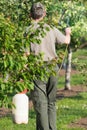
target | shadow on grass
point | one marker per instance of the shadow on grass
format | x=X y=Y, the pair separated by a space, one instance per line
x=32 y=114
x=74 y=93
x=76 y=97
x=4 y=112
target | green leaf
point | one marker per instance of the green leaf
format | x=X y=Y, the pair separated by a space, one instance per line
x=2 y=87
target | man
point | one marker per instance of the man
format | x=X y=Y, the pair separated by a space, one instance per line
x=44 y=93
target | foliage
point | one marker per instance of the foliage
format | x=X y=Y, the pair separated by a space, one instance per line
x=71 y=14
x=6 y=49
x=16 y=10
x=17 y=70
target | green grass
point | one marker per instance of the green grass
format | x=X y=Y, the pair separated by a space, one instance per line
x=75 y=80
x=6 y=123
x=81 y=57
x=69 y=109
x=82 y=52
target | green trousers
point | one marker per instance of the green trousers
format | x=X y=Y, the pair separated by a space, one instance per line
x=44 y=97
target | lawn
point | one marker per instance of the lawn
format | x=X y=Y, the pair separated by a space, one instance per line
x=70 y=109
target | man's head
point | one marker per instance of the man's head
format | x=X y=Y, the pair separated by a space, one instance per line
x=37 y=11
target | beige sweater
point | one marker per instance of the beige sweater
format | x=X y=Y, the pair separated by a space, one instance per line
x=48 y=43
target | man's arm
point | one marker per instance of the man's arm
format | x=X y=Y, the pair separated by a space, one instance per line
x=68 y=37
x=61 y=38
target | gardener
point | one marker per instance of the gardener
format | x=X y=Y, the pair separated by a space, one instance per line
x=44 y=93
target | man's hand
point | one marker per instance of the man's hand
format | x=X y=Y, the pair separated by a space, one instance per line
x=68 y=38
x=68 y=31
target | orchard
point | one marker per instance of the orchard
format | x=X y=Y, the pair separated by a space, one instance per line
x=18 y=70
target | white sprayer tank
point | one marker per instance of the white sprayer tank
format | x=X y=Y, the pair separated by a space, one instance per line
x=21 y=109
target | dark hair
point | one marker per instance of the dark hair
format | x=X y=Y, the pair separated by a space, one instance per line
x=37 y=10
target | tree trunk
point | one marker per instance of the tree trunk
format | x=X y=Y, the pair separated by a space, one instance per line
x=68 y=69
